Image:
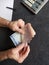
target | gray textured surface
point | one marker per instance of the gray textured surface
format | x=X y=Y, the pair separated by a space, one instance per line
x=39 y=54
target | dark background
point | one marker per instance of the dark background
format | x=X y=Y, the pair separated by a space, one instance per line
x=39 y=54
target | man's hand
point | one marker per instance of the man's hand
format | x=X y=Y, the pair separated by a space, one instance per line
x=19 y=53
x=17 y=25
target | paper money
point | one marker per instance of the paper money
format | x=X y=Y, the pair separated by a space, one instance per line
x=16 y=38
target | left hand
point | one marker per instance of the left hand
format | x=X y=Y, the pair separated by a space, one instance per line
x=17 y=26
x=19 y=53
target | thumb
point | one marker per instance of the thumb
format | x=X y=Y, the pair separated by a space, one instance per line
x=20 y=30
x=21 y=46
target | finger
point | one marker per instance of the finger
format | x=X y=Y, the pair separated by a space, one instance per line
x=21 y=23
x=32 y=31
x=20 y=30
x=20 y=47
x=24 y=56
x=24 y=49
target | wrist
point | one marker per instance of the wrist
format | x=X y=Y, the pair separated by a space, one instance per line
x=9 y=25
x=9 y=54
x=3 y=55
x=4 y=22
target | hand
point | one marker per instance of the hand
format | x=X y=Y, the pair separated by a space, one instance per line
x=17 y=25
x=19 y=53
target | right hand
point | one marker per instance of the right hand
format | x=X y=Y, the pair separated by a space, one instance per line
x=17 y=25
x=19 y=53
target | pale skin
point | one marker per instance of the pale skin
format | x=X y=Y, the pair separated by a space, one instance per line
x=20 y=52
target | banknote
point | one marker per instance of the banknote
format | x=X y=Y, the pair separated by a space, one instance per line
x=16 y=38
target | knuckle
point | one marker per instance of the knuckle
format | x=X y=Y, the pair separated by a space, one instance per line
x=29 y=23
x=20 y=20
x=20 y=60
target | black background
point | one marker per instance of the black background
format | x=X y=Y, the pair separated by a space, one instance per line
x=39 y=54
